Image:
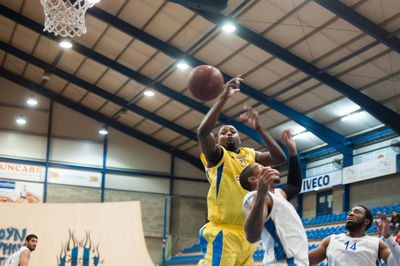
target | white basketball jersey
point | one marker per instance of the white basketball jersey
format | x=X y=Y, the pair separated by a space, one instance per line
x=283 y=236
x=345 y=250
x=13 y=260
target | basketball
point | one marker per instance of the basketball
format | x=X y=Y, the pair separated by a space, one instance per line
x=205 y=82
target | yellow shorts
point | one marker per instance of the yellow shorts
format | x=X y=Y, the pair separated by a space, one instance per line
x=225 y=245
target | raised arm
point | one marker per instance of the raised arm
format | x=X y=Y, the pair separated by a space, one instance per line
x=294 y=180
x=259 y=210
x=207 y=143
x=274 y=155
x=389 y=251
x=317 y=255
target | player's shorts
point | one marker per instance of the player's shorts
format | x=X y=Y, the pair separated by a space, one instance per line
x=225 y=245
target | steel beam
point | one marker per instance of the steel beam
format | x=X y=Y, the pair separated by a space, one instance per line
x=38 y=28
x=361 y=22
x=100 y=118
x=379 y=111
x=331 y=137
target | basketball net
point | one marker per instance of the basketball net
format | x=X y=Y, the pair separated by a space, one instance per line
x=66 y=17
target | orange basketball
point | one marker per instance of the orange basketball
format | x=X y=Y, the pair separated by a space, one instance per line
x=205 y=82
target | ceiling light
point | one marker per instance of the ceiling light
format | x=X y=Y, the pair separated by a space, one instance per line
x=353 y=116
x=347 y=109
x=66 y=44
x=103 y=131
x=93 y=1
x=149 y=92
x=32 y=101
x=21 y=120
x=303 y=135
x=182 y=65
x=229 y=27
x=297 y=130
x=46 y=76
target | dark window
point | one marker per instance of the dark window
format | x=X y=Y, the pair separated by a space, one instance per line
x=324 y=202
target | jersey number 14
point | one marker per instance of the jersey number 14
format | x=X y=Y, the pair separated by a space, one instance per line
x=352 y=247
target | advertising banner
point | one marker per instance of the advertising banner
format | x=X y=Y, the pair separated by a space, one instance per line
x=368 y=170
x=18 y=171
x=74 y=177
x=19 y=191
x=321 y=181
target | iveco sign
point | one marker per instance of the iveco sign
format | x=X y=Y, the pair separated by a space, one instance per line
x=321 y=181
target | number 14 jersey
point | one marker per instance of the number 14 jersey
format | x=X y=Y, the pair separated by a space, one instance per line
x=345 y=250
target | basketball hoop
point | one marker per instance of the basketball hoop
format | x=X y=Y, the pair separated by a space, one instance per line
x=66 y=17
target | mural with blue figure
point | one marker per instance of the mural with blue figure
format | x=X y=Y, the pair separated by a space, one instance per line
x=11 y=239
x=83 y=252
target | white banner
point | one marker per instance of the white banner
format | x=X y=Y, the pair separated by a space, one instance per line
x=321 y=181
x=368 y=170
x=17 y=191
x=74 y=177
x=19 y=171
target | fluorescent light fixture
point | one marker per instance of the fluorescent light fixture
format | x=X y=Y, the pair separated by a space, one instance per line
x=297 y=130
x=303 y=135
x=46 y=76
x=93 y=1
x=32 y=101
x=228 y=27
x=353 y=116
x=149 y=92
x=103 y=131
x=66 y=44
x=21 y=120
x=182 y=65
x=347 y=109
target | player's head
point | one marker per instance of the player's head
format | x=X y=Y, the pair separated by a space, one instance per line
x=359 y=218
x=250 y=175
x=228 y=137
x=394 y=213
x=31 y=241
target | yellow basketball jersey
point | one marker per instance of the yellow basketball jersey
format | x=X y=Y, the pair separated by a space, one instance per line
x=225 y=196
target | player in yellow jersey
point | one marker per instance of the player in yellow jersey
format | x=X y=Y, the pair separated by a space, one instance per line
x=223 y=239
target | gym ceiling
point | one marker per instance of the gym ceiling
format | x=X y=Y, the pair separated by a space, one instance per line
x=306 y=65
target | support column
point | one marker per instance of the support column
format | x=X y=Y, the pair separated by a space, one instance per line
x=300 y=196
x=48 y=152
x=171 y=190
x=347 y=161
x=103 y=171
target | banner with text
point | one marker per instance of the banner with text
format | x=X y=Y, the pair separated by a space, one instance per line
x=18 y=191
x=19 y=171
x=369 y=170
x=74 y=177
x=321 y=181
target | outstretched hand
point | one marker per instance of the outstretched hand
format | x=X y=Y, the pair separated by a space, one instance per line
x=383 y=226
x=289 y=142
x=232 y=86
x=250 y=115
x=267 y=176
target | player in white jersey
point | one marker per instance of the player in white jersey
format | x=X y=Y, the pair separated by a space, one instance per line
x=21 y=257
x=269 y=213
x=355 y=247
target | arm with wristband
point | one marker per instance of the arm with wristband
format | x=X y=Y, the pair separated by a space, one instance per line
x=389 y=251
x=294 y=180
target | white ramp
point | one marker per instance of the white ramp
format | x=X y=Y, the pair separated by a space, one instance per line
x=107 y=234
